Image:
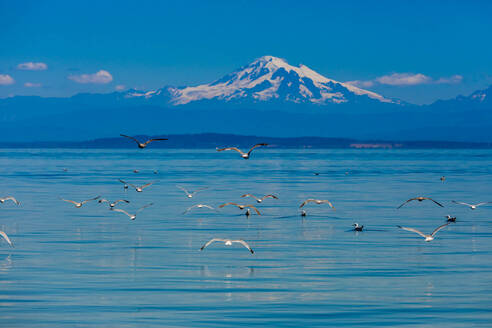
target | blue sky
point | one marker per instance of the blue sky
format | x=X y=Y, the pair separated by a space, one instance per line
x=418 y=51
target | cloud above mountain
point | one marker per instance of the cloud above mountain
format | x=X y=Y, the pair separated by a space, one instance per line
x=6 y=79
x=406 y=79
x=31 y=66
x=101 y=77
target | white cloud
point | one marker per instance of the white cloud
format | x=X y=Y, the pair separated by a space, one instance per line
x=30 y=66
x=450 y=80
x=119 y=87
x=361 y=84
x=406 y=79
x=6 y=79
x=100 y=77
x=32 y=85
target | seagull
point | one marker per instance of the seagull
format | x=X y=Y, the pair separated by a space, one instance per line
x=242 y=207
x=443 y=178
x=3 y=199
x=427 y=237
x=142 y=145
x=79 y=204
x=125 y=185
x=420 y=199
x=317 y=201
x=112 y=204
x=191 y=194
x=471 y=206
x=259 y=200
x=198 y=206
x=243 y=155
x=450 y=218
x=132 y=216
x=136 y=171
x=228 y=242
x=358 y=227
x=137 y=188
x=7 y=239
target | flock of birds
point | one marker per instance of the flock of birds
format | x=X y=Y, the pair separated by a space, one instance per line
x=249 y=208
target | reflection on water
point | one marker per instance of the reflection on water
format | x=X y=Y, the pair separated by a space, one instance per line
x=92 y=267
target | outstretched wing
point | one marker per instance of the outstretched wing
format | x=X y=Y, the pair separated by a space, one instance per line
x=121 y=200
x=145 y=206
x=235 y=204
x=413 y=230
x=146 y=185
x=306 y=202
x=198 y=190
x=439 y=228
x=254 y=208
x=182 y=188
x=209 y=242
x=121 y=211
x=245 y=244
x=154 y=139
x=250 y=195
x=269 y=196
x=461 y=203
x=123 y=182
x=256 y=146
x=70 y=201
x=231 y=148
x=327 y=202
x=7 y=239
x=138 y=142
x=88 y=200
x=406 y=202
x=434 y=201
x=12 y=199
x=483 y=203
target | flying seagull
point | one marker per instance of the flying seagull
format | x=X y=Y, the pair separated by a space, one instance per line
x=3 y=199
x=7 y=239
x=471 y=206
x=131 y=216
x=358 y=227
x=79 y=204
x=142 y=145
x=259 y=200
x=450 y=218
x=420 y=199
x=191 y=194
x=198 y=206
x=243 y=155
x=427 y=237
x=112 y=204
x=137 y=188
x=125 y=185
x=242 y=207
x=228 y=242
x=317 y=201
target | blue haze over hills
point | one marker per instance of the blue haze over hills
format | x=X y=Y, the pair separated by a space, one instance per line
x=268 y=97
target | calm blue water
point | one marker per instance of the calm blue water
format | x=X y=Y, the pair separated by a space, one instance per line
x=90 y=267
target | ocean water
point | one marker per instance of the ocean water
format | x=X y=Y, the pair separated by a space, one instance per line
x=91 y=267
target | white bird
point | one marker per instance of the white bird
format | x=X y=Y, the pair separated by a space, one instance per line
x=259 y=200
x=131 y=216
x=7 y=239
x=243 y=155
x=228 y=242
x=420 y=198
x=427 y=237
x=198 y=206
x=144 y=144
x=471 y=206
x=112 y=204
x=137 y=188
x=317 y=201
x=79 y=204
x=4 y=199
x=242 y=207
x=358 y=227
x=191 y=194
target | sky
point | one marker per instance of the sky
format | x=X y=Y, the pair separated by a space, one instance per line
x=417 y=51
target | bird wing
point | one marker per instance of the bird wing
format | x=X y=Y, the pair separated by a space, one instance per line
x=189 y=209
x=121 y=200
x=208 y=206
x=439 y=228
x=145 y=206
x=182 y=188
x=326 y=202
x=146 y=185
x=88 y=200
x=255 y=146
x=245 y=244
x=103 y=200
x=122 y=211
x=249 y=195
x=228 y=204
x=271 y=196
x=413 y=230
x=307 y=201
x=480 y=204
x=153 y=139
x=406 y=202
x=12 y=199
x=7 y=239
x=123 y=182
x=434 y=201
x=254 y=208
x=461 y=203
x=231 y=148
x=198 y=190
x=70 y=201
x=138 y=142
x=211 y=241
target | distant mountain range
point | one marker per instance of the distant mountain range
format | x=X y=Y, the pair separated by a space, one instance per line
x=267 y=97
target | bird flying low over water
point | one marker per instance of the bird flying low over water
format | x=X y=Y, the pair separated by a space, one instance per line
x=242 y=207
x=420 y=199
x=112 y=204
x=191 y=194
x=471 y=206
x=79 y=204
x=4 y=199
x=259 y=200
x=243 y=155
x=7 y=239
x=228 y=242
x=140 y=144
x=427 y=237
x=137 y=188
x=317 y=201
x=131 y=216
x=198 y=206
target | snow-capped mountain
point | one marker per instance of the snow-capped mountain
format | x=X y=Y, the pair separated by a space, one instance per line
x=269 y=79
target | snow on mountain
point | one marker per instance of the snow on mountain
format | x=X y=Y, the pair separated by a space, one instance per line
x=266 y=79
